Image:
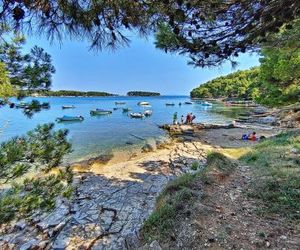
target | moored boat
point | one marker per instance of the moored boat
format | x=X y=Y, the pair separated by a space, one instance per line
x=68 y=107
x=67 y=118
x=100 y=112
x=120 y=103
x=188 y=103
x=208 y=104
x=126 y=109
x=170 y=104
x=143 y=103
x=148 y=112
x=137 y=115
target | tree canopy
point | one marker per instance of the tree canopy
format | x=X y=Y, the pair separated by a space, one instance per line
x=27 y=71
x=209 y=32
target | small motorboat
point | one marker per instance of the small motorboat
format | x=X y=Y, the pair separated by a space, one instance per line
x=137 y=115
x=148 y=112
x=143 y=103
x=188 y=103
x=170 y=104
x=126 y=109
x=68 y=107
x=120 y=103
x=66 y=118
x=208 y=104
x=22 y=105
x=100 y=112
x=115 y=108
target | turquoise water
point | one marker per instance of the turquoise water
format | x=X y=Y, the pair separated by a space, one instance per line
x=98 y=135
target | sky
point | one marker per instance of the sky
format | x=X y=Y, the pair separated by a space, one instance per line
x=138 y=67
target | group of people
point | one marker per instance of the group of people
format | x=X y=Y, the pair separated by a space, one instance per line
x=187 y=120
x=252 y=137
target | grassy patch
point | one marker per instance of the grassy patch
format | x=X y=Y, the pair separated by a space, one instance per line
x=173 y=203
x=176 y=201
x=220 y=162
x=277 y=179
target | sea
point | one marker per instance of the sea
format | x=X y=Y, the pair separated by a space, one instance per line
x=103 y=134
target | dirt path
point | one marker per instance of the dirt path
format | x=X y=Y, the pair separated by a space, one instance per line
x=225 y=218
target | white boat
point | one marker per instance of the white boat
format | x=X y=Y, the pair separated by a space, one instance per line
x=206 y=104
x=137 y=115
x=143 y=103
x=148 y=112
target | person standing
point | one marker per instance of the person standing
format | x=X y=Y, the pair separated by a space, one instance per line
x=182 y=119
x=175 y=118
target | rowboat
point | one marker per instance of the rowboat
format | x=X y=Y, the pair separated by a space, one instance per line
x=68 y=107
x=137 y=115
x=148 y=112
x=100 y=112
x=143 y=103
x=188 y=103
x=66 y=118
x=120 y=103
x=126 y=109
x=170 y=104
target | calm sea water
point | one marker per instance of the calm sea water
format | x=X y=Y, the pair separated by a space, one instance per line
x=98 y=135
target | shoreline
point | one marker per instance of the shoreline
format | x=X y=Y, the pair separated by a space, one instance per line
x=113 y=199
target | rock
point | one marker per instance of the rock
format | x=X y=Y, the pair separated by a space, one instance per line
x=132 y=241
x=149 y=146
x=28 y=245
x=155 y=245
x=267 y=119
x=20 y=225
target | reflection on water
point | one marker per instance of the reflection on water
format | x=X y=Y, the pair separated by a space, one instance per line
x=97 y=135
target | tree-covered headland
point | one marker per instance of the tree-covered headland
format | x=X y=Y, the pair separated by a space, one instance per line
x=275 y=82
x=142 y=93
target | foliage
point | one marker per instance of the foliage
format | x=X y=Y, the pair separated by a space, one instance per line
x=39 y=152
x=34 y=194
x=6 y=89
x=74 y=93
x=207 y=31
x=280 y=69
x=32 y=71
x=41 y=149
x=241 y=84
x=277 y=180
x=142 y=93
x=275 y=83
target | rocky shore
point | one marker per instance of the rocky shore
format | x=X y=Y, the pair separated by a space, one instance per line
x=111 y=201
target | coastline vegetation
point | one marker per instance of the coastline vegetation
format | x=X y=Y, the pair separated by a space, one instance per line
x=275 y=83
x=142 y=93
x=70 y=93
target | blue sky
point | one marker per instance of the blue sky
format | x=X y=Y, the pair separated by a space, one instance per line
x=138 y=67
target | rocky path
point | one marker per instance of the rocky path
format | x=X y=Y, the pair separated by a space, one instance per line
x=110 y=204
